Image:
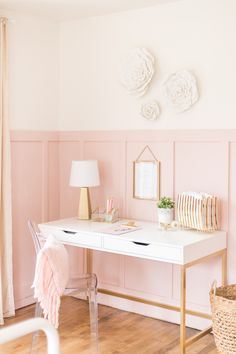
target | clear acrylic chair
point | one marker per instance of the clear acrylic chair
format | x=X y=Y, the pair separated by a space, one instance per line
x=85 y=284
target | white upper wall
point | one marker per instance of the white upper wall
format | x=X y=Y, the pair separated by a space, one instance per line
x=197 y=35
x=58 y=10
x=190 y=34
x=33 y=72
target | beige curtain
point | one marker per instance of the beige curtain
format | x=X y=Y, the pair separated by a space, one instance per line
x=6 y=281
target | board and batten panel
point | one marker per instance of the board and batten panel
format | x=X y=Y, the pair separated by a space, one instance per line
x=163 y=151
x=148 y=277
x=108 y=267
x=202 y=166
x=27 y=201
x=53 y=181
x=143 y=275
x=110 y=158
x=69 y=197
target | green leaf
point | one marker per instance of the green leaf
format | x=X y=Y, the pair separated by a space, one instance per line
x=166 y=203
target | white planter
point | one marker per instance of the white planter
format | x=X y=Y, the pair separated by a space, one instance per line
x=165 y=216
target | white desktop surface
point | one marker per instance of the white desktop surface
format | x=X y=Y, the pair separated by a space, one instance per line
x=173 y=246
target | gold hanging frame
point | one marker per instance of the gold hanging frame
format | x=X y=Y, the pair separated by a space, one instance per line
x=146 y=177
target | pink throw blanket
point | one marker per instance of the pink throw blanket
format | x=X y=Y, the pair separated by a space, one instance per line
x=51 y=277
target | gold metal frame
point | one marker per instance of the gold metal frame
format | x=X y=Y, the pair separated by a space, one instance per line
x=154 y=162
x=184 y=343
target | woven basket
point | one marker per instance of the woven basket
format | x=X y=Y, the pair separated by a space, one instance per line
x=223 y=306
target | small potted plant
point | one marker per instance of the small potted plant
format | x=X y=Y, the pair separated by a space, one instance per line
x=165 y=210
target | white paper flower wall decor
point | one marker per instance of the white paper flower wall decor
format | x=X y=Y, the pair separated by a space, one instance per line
x=136 y=71
x=180 y=90
x=150 y=110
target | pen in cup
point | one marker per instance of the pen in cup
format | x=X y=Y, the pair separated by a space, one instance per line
x=109 y=205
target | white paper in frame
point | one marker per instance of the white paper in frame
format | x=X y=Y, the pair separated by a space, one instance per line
x=146 y=177
x=146 y=180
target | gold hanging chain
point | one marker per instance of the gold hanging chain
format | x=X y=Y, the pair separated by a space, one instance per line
x=146 y=148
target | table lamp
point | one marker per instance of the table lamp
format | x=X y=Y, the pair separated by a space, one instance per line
x=84 y=174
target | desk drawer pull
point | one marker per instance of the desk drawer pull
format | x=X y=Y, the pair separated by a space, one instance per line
x=141 y=243
x=70 y=232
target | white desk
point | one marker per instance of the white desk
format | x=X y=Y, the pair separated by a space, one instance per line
x=185 y=248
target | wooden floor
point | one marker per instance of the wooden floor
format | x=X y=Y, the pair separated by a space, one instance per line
x=119 y=333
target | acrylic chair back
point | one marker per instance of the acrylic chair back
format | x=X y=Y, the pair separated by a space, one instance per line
x=36 y=235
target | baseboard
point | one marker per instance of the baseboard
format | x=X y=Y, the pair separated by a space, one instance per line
x=19 y=303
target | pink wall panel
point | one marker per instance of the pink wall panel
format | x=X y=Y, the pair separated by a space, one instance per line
x=203 y=167
x=109 y=269
x=163 y=151
x=53 y=181
x=148 y=276
x=27 y=196
x=69 y=196
x=110 y=157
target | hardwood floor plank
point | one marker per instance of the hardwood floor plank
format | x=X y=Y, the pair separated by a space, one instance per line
x=120 y=332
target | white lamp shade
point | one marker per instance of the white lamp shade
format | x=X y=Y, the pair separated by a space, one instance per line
x=84 y=173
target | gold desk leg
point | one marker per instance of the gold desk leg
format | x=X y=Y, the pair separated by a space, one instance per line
x=183 y=310
x=224 y=267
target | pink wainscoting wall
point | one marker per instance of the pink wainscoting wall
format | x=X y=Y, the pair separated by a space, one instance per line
x=35 y=196
x=190 y=160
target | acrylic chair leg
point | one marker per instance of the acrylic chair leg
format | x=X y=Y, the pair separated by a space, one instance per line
x=93 y=310
x=38 y=313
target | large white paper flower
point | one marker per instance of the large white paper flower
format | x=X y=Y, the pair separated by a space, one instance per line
x=180 y=90
x=137 y=71
x=150 y=110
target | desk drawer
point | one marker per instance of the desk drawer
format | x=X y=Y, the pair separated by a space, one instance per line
x=77 y=238
x=143 y=249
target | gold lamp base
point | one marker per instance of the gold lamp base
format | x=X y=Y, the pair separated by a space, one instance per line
x=84 y=204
